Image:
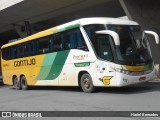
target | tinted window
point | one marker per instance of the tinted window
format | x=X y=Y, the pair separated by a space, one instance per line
x=26 y=49
x=105 y=51
x=5 y=53
x=71 y=39
x=58 y=42
x=75 y=40
x=20 y=51
x=43 y=45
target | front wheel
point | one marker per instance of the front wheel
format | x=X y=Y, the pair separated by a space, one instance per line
x=87 y=84
x=24 y=83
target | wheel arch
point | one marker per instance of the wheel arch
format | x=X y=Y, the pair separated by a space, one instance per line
x=13 y=77
x=21 y=76
x=80 y=75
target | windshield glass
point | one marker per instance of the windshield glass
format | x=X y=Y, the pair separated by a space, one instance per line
x=134 y=48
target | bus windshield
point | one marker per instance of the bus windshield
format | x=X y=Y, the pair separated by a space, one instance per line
x=134 y=48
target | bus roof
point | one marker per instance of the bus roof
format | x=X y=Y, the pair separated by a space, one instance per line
x=74 y=24
x=105 y=20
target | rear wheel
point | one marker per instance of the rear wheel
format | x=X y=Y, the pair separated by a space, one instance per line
x=87 y=84
x=16 y=83
x=24 y=83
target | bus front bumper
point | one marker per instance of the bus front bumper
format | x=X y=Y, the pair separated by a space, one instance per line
x=125 y=80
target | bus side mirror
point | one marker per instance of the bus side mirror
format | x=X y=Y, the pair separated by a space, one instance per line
x=154 y=34
x=112 y=33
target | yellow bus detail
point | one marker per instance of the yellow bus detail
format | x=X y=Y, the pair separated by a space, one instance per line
x=16 y=67
x=106 y=80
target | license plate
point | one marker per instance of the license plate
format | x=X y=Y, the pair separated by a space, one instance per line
x=142 y=78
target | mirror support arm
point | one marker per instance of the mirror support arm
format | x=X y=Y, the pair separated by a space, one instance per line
x=113 y=34
x=154 y=34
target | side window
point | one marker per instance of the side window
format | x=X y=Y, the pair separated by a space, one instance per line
x=33 y=47
x=20 y=51
x=30 y=48
x=43 y=45
x=81 y=44
x=75 y=40
x=90 y=30
x=67 y=44
x=12 y=53
x=26 y=49
x=58 y=42
x=15 y=52
x=5 y=53
x=93 y=37
x=71 y=39
x=105 y=51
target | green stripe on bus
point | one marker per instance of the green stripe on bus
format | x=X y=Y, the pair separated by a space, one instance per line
x=52 y=71
x=46 y=66
x=57 y=65
x=82 y=64
x=72 y=26
x=67 y=28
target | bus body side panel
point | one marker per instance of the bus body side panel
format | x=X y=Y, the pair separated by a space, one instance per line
x=82 y=61
x=67 y=77
x=29 y=67
x=51 y=68
x=75 y=62
x=106 y=76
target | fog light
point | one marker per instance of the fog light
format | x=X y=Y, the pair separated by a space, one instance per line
x=125 y=80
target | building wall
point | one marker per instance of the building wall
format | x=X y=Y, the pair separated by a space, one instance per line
x=7 y=3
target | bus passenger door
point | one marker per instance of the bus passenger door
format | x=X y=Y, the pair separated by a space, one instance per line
x=105 y=65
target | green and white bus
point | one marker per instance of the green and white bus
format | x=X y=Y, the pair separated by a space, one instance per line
x=89 y=52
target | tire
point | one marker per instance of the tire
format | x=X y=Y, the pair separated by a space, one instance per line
x=16 y=83
x=87 y=84
x=24 y=83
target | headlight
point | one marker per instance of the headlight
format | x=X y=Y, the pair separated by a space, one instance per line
x=123 y=71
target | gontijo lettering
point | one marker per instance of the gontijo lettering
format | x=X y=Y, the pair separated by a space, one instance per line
x=25 y=62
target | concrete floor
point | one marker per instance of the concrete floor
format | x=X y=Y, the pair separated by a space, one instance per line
x=141 y=97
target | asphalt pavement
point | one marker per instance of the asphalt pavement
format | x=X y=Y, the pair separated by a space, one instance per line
x=140 y=97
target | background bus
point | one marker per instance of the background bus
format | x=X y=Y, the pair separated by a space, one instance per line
x=88 y=52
